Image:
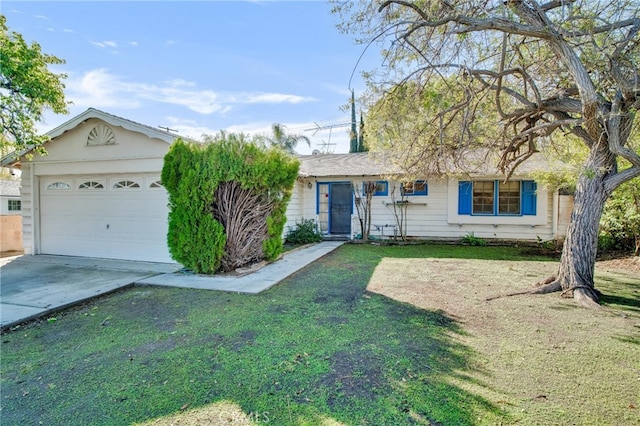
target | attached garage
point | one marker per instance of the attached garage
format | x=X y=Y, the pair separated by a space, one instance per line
x=119 y=216
x=97 y=192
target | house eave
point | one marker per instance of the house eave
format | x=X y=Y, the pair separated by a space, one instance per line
x=13 y=159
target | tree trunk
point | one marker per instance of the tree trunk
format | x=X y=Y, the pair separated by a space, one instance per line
x=577 y=264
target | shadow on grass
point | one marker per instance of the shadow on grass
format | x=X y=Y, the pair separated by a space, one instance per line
x=619 y=291
x=318 y=346
x=457 y=251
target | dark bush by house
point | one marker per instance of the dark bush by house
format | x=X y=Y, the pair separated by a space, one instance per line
x=305 y=232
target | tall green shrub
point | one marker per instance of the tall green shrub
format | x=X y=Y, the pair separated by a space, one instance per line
x=620 y=223
x=207 y=184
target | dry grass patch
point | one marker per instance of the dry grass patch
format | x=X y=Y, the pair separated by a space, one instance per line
x=541 y=358
x=218 y=414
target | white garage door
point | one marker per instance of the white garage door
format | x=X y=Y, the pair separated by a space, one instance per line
x=114 y=216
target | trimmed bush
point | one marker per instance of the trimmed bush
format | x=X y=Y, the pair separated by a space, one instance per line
x=227 y=201
x=305 y=232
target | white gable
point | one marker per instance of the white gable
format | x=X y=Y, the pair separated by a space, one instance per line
x=97 y=142
x=95 y=139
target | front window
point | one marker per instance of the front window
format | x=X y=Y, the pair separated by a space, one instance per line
x=15 y=205
x=382 y=188
x=417 y=187
x=483 y=197
x=509 y=197
x=497 y=198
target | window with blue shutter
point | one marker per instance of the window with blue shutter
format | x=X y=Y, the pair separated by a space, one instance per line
x=382 y=188
x=416 y=187
x=495 y=198
x=529 y=197
x=465 y=189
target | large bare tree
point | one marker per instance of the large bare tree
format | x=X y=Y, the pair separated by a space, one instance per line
x=533 y=70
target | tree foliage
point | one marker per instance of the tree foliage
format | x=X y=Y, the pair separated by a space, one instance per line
x=281 y=139
x=408 y=125
x=620 y=223
x=27 y=89
x=227 y=200
x=530 y=70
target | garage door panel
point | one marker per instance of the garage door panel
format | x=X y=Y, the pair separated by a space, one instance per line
x=109 y=223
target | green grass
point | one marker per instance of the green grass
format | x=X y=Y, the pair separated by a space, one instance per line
x=317 y=347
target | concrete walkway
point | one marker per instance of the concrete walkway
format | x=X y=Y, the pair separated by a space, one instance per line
x=34 y=286
x=254 y=282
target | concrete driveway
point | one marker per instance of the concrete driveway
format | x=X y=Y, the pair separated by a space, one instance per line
x=31 y=286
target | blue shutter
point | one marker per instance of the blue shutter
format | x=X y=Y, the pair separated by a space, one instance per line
x=529 y=198
x=465 y=189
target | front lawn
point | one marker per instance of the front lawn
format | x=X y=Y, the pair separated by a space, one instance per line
x=322 y=349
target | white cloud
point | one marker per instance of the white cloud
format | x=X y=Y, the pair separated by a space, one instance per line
x=180 y=82
x=202 y=102
x=106 y=43
x=99 y=88
x=275 y=98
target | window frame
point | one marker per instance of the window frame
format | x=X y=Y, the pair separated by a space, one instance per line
x=155 y=184
x=414 y=183
x=527 y=198
x=11 y=205
x=383 y=192
x=508 y=198
x=59 y=185
x=483 y=196
x=125 y=185
x=91 y=185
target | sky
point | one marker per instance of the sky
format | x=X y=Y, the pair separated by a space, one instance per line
x=203 y=66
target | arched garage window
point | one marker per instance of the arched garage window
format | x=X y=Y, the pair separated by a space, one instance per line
x=91 y=185
x=126 y=184
x=58 y=186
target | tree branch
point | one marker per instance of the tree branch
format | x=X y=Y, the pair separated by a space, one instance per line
x=613 y=181
x=470 y=24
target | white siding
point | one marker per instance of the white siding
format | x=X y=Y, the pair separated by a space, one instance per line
x=433 y=216
x=26 y=195
x=565 y=207
x=295 y=209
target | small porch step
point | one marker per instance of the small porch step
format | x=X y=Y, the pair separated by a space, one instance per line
x=335 y=237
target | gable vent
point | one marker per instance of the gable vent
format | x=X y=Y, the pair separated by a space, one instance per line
x=101 y=135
